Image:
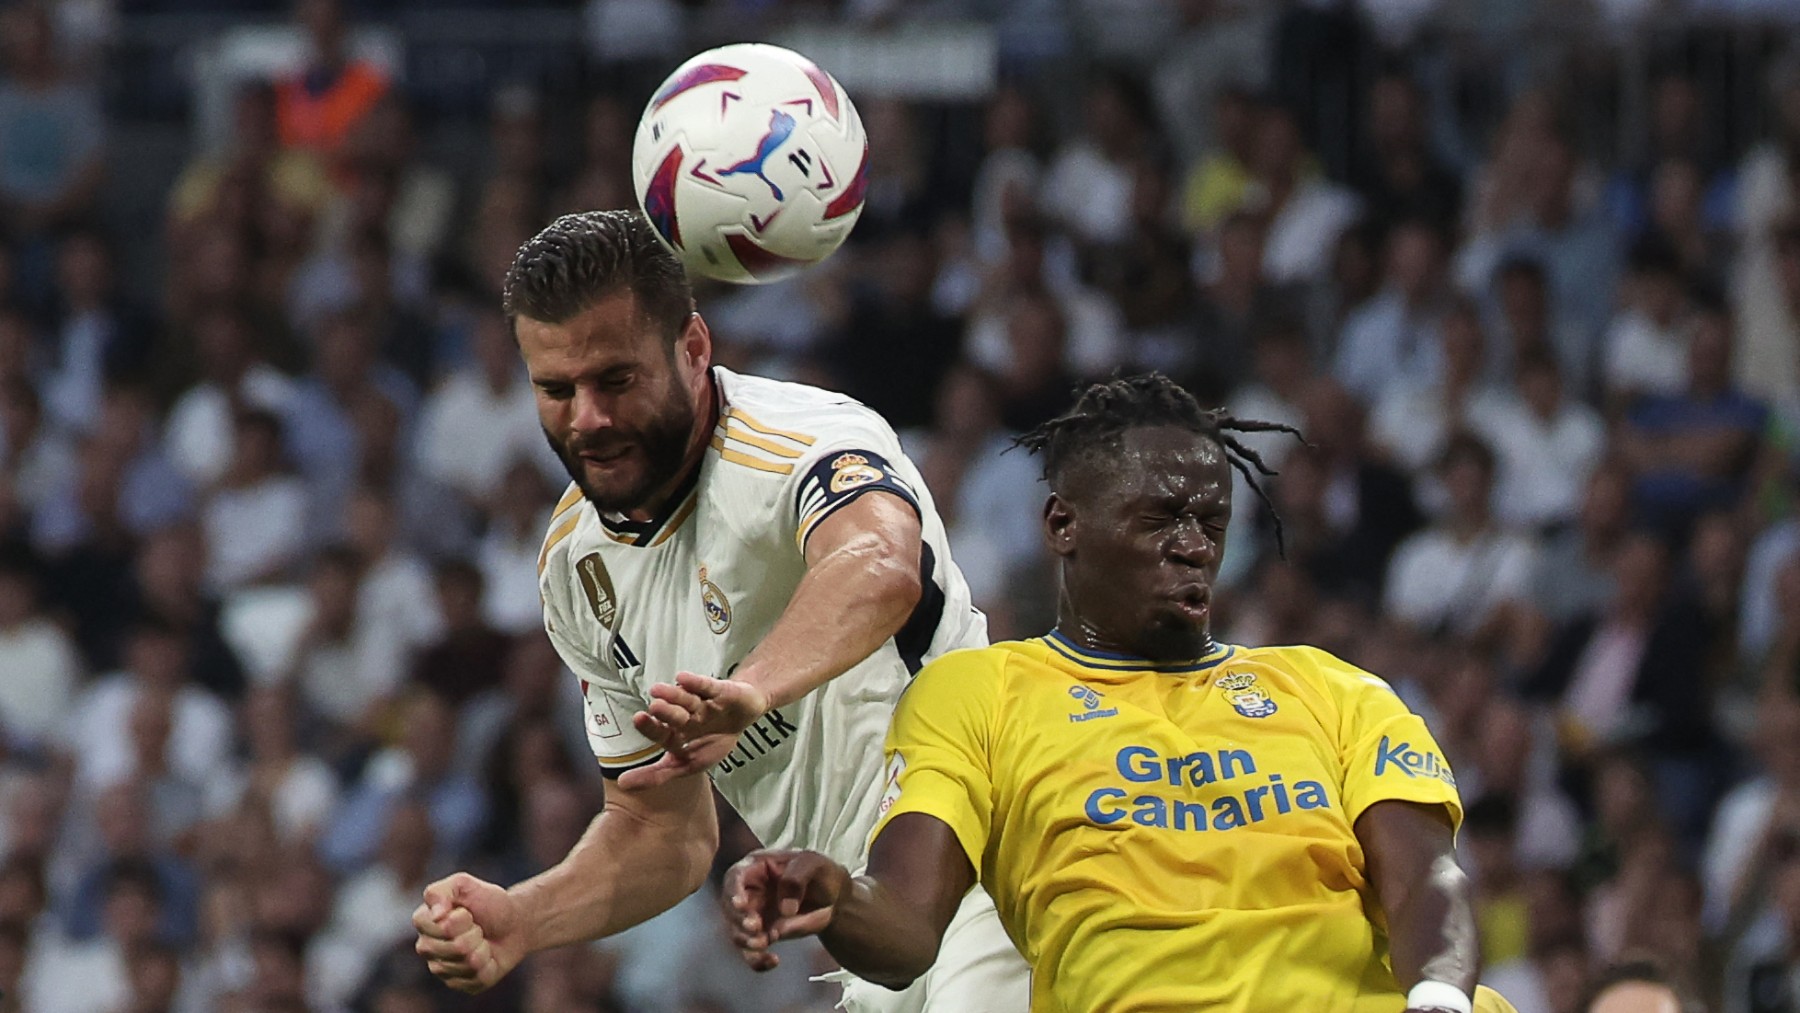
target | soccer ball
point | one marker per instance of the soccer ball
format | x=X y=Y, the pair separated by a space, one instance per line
x=751 y=163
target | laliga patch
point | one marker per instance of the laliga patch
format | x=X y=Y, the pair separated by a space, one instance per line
x=606 y=722
x=1247 y=698
x=896 y=767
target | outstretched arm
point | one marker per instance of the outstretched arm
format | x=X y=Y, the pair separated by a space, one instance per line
x=862 y=582
x=1425 y=894
x=645 y=852
x=884 y=926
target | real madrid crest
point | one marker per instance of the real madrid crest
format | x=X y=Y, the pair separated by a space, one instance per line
x=851 y=470
x=718 y=607
x=1247 y=698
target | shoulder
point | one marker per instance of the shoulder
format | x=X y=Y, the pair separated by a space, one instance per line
x=1312 y=666
x=963 y=669
x=794 y=421
x=553 y=556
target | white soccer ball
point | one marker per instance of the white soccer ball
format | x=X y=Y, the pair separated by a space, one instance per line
x=751 y=163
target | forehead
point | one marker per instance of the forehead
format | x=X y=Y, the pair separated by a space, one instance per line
x=612 y=330
x=1165 y=462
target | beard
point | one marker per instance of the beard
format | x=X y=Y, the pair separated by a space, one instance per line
x=660 y=442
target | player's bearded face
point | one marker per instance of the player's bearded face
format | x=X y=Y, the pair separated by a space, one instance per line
x=620 y=467
x=1150 y=534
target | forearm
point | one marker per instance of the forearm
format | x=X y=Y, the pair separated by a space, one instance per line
x=877 y=936
x=1432 y=931
x=625 y=870
x=847 y=605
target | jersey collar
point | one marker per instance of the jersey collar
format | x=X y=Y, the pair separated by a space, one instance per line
x=1110 y=661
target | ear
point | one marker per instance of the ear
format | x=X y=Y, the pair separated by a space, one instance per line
x=693 y=350
x=1059 y=526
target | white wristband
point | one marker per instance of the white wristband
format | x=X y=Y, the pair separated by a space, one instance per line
x=1439 y=995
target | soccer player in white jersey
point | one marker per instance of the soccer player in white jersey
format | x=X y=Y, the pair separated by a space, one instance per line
x=764 y=545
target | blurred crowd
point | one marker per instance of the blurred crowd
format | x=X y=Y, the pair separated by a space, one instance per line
x=270 y=649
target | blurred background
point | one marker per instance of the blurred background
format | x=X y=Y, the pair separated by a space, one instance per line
x=1527 y=273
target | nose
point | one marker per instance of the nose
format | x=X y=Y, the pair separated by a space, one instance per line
x=1191 y=545
x=592 y=411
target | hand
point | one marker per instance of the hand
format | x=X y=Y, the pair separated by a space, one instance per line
x=773 y=895
x=696 y=721
x=471 y=932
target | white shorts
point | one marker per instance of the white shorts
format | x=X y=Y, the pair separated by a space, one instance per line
x=977 y=971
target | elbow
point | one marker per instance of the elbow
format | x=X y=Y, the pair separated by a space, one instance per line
x=903 y=969
x=899 y=980
x=697 y=860
x=896 y=581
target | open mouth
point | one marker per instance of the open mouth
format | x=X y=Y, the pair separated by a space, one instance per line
x=1193 y=600
x=604 y=457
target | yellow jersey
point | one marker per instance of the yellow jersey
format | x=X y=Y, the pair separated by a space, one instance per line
x=1170 y=837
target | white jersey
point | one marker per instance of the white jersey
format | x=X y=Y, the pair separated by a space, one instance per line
x=629 y=605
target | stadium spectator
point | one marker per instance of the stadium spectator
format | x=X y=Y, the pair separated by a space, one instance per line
x=1035 y=264
x=419 y=768
x=125 y=842
x=480 y=418
x=322 y=427
x=895 y=346
x=1306 y=213
x=1418 y=410
x=52 y=134
x=507 y=554
x=285 y=178
x=1219 y=178
x=1547 y=445
x=319 y=107
x=1646 y=346
x=467 y=657
x=1397 y=172
x=96 y=736
x=373 y=909
x=1236 y=302
x=296 y=789
x=230 y=374
x=93 y=975
x=97 y=337
x=1692 y=449
x=396 y=191
x=1466 y=572
x=347 y=666
x=1626 y=669
x=36 y=457
x=1395 y=335
x=40 y=662
x=124 y=485
x=255 y=516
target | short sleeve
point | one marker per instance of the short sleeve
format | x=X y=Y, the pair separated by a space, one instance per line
x=838 y=478
x=1387 y=752
x=939 y=748
x=607 y=702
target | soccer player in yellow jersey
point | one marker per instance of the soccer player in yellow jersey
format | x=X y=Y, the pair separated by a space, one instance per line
x=1165 y=823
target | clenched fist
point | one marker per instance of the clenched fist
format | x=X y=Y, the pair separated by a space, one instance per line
x=471 y=932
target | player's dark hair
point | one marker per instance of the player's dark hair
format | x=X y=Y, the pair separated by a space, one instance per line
x=1105 y=411
x=581 y=259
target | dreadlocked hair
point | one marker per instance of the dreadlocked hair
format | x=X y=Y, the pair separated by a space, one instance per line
x=1105 y=411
